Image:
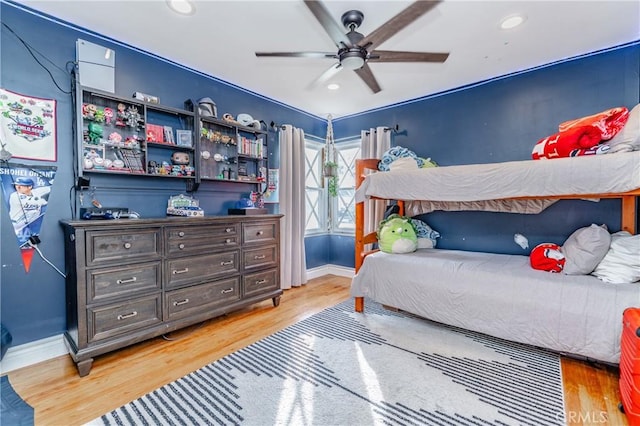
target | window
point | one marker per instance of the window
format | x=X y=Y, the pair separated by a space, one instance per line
x=342 y=206
x=325 y=213
x=315 y=194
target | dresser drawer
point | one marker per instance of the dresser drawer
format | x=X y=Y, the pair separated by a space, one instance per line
x=195 y=239
x=118 y=281
x=122 y=246
x=197 y=269
x=117 y=319
x=261 y=282
x=260 y=257
x=193 y=300
x=259 y=232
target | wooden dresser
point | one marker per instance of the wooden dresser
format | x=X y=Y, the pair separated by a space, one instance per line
x=133 y=279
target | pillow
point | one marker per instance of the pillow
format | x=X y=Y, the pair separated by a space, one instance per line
x=585 y=248
x=621 y=264
x=426 y=235
x=628 y=138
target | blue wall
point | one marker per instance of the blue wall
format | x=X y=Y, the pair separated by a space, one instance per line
x=502 y=120
x=33 y=304
x=496 y=121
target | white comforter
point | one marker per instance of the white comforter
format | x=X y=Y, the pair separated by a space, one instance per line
x=588 y=175
x=501 y=295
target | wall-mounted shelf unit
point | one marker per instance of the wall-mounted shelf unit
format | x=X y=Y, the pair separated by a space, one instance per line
x=119 y=135
x=228 y=151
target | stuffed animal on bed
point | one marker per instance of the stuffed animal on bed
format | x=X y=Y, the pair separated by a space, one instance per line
x=397 y=234
x=547 y=257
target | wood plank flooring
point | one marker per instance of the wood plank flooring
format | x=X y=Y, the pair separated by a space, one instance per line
x=60 y=397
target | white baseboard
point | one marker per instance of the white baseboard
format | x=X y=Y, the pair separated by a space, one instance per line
x=52 y=347
x=32 y=353
x=341 y=271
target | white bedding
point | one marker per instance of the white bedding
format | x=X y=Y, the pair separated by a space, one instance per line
x=596 y=174
x=501 y=295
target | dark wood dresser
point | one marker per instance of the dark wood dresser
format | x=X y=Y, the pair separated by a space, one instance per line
x=133 y=279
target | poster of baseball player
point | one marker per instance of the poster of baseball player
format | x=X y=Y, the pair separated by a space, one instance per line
x=26 y=192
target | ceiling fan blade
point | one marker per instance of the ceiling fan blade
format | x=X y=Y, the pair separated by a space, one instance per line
x=325 y=76
x=367 y=76
x=297 y=54
x=396 y=56
x=332 y=28
x=397 y=23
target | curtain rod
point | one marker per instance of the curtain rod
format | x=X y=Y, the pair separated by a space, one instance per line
x=395 y=129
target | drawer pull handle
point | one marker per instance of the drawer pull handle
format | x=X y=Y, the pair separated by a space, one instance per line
x=260 y=282
x=259 y=232
x=228 y=241
x=127 y=280
x=181 y=246
x=228 y=230
x=227 y=263
x=227 y=290
x=180 y=271
x=259 y=256
x=125 y=316
x=180 y=302
x=181 y=234
x=127 y=245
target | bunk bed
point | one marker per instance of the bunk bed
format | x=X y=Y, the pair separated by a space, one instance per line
x=499 y=294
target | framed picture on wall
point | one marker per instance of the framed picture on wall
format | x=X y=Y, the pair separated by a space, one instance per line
x=184 y=138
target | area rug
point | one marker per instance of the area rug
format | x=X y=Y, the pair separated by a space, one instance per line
x=14 y=410
x=382 y=367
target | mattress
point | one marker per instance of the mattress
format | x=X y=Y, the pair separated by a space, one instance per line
x=501 y=295
x=588 y=175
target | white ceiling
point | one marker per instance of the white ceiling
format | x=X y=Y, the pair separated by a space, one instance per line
x=221 y=37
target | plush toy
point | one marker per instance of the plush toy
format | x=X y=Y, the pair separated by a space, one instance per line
x=547 y=257
x=396 y=234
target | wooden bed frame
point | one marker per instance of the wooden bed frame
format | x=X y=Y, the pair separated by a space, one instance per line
x=628 y=212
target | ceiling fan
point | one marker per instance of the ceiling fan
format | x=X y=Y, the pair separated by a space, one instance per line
x=355 y=50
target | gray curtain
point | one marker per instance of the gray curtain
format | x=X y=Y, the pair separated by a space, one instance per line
x=292 y=204
x=374 y=143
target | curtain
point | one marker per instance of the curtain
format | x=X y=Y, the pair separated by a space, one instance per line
x=374 y=143
x=293 y=265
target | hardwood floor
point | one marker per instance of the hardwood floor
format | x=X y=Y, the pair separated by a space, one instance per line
x=60 y=397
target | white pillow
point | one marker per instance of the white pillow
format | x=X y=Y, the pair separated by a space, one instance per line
x=584 y=249
x=622 y=262
x=628 y=138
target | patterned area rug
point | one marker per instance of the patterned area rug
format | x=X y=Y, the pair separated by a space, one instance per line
x=379 y=368
x=13 y=410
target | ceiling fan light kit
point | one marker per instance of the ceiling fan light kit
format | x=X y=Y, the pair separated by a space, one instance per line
x=355 y=50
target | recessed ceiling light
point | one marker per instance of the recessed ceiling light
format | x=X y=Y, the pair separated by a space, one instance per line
x=183 y=7
x=511 y=21
x=333 y=86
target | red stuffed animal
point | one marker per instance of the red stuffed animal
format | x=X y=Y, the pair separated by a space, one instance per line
x=547 y=257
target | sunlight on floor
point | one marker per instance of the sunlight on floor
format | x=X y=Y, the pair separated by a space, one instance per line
x=371 y=384
x=296 y=401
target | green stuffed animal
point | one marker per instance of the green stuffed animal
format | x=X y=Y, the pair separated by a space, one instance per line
x=397 y=234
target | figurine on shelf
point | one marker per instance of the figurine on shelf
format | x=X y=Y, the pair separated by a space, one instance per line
x=115 y=138
x=95 y=133
x=133 y=117
x=180 y=158
x=99 y=116
x=88 y=111
x=108 y=115
x=121 y=115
